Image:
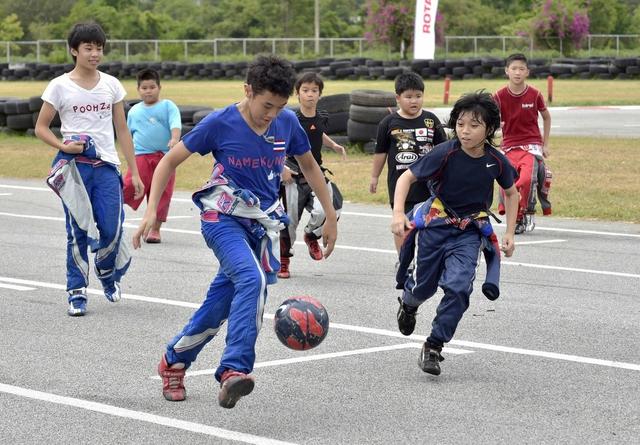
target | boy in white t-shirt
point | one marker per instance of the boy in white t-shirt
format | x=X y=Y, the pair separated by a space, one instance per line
x=90 y=105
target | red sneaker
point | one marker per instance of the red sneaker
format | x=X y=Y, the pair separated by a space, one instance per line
x=284 y=268
x=233 y=386
x=153 y=237
x=172 y=380
x=314 y=248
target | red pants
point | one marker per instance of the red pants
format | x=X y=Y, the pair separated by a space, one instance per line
x=146 y=166
x=526 y=165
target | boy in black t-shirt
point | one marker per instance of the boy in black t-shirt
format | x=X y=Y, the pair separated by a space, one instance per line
x=296 y=192
x=404 y=137
x=454 y=225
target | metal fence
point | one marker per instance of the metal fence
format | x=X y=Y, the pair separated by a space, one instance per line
x=56 y=51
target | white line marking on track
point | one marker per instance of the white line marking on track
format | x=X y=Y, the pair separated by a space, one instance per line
x=372 y=215
x=370 y=249
x=16 y=287
x=367 y=330
x=329 y=355
x=572 y=269
x=6 y=194
x=140 y=416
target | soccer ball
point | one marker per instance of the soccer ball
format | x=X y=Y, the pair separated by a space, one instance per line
x=301 y=323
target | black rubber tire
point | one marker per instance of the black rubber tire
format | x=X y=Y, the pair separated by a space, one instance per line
x=337 y=122
x=199 y=115
x=369 y=147
x=35 y=103
x=187 y=112
x=369 y=115
x=335 y=103
x=361 y=132
x=20 y=121
x=16 y=107
x=373 y=98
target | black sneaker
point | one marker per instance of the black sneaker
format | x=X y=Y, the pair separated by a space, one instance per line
x=430 y=359
x=406 y=318
x=520 y=228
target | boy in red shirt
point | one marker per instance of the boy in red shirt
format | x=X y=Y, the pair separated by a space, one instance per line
x=522 y=142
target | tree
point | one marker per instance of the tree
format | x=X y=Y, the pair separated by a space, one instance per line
x=10 y=28
x=563 y=21
x=391 y=21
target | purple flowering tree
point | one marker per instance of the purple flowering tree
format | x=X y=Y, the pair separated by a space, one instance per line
x=391 y=21
x=566 y=21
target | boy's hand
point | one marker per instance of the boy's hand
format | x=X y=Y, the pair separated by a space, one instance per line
x=143 y=230
x=73 y=147
x=508 y=244
x=138 y=186
x=545 y=151
x=172 y=142
x=373 y=185
x=287 y=175
x=399 y=224
x=340 y=149
x=329 y=235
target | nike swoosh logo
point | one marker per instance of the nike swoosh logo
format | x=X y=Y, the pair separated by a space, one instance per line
x=490 y=165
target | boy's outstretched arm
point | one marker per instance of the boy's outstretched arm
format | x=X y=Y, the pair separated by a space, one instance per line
x=326 y=140
x=312 y=173
x=166 y=167
x=126 y=146
x=378 y=164
x=399 y=221
x=511 y=209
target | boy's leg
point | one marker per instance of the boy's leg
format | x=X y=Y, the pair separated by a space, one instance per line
x=128 y=190
x=112 y=257
x=165 y=200
x=235 y=250
x=286 y=244
x=203 y=325
x=313 y=230
x=461 y=258
x=422 y=284
x=526 y=182
x=77 y=266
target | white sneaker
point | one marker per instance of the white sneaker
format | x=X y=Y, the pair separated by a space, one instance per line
x=529 y=222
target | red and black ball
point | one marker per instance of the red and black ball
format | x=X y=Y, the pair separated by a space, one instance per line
x=301 y=323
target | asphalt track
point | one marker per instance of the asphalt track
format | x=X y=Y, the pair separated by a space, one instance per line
x=554 y=360
x=604 y=121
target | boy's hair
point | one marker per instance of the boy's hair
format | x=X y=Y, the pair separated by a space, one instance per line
x=482 y=107
x=408 y=81
x=309 y=78
x=517 y=56
x=271 y=73
x=148 y=74
x=89 y=32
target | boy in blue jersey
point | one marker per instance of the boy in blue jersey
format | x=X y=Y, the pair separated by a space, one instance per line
x=462 y=173
x=155 y=125
x=240 y=221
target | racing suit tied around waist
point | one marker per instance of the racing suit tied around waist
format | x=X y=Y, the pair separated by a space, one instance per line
x=220 y=195
x=432 y=213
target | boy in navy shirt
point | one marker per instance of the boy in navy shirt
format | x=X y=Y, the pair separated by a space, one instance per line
x=240 y=214
x=462 y=173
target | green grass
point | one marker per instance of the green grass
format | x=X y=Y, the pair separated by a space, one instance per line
x=594 y=178
x=218 y=93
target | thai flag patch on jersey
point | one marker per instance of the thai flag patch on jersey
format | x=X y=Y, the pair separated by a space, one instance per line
x=279 y=145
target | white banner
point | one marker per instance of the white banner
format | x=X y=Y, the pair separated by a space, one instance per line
x=424 y=35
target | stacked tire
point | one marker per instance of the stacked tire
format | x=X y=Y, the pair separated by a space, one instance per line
x=368 y=108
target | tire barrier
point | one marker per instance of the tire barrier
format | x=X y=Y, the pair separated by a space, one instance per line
x=353 y=68
x=368 y=108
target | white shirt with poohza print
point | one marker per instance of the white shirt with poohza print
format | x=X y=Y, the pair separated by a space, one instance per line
x=87 y=112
